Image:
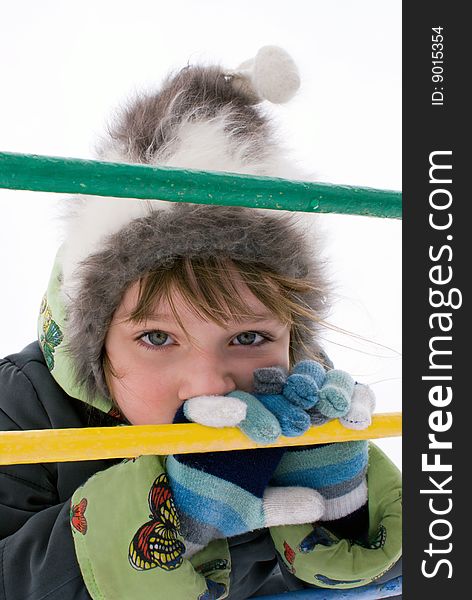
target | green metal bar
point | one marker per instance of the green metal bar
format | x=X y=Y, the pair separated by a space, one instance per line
x=75 y=176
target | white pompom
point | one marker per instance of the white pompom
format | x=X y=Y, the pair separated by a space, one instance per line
x=272 y=73
x=215 y=411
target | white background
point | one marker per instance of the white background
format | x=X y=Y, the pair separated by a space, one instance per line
x=65 y=66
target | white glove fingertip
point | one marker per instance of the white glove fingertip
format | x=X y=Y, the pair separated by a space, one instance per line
x=364 y=395
x=215 y=411
x=357 y=419
x=362 y=407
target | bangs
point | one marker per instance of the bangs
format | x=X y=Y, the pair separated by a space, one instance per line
x=212 y=288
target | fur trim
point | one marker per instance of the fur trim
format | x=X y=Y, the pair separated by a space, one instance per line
x=202 y=118
x=245 y=235
x=147 y=129
x=156 y=240
x=199 y=120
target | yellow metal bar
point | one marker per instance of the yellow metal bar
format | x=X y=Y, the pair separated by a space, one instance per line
x=92 y=443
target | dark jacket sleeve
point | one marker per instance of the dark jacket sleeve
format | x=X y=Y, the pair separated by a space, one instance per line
x=38 y=561
x=37 y=556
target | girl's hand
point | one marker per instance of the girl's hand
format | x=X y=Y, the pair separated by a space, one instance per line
x=287 y=404
x=237 y=409
x=312 y=396
x=359 y=415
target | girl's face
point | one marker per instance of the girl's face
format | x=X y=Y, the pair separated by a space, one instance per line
x=157 y=366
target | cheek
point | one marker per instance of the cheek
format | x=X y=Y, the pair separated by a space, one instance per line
x=145 y=398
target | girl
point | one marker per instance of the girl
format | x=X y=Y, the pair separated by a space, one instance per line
x=156 y=310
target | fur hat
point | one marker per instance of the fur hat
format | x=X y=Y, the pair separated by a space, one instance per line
x=203 y=118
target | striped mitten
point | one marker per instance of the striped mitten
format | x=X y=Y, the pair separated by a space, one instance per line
x=223 y=494
x=337 y=471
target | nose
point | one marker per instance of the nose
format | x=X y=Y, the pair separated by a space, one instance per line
x=206 y=375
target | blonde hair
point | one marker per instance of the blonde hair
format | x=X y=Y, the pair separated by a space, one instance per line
x=209 y=288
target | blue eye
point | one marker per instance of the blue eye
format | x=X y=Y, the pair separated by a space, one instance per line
x=157 y=338
x=248 y=338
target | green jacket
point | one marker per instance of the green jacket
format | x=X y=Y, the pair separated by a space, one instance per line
x=113 y=506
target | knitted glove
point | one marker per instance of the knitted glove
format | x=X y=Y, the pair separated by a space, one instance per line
x=359 y=415
x=337 y=470
x=308 y=396
x=236 y=409
x=222 y=494
x=282 y=400
x=288 y=397
x=312 y=396
x=280 y=404
x=287 y=405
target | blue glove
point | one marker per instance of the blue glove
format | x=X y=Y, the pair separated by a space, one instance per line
x=287 y=405
x=309 y=395
x=236 y=409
